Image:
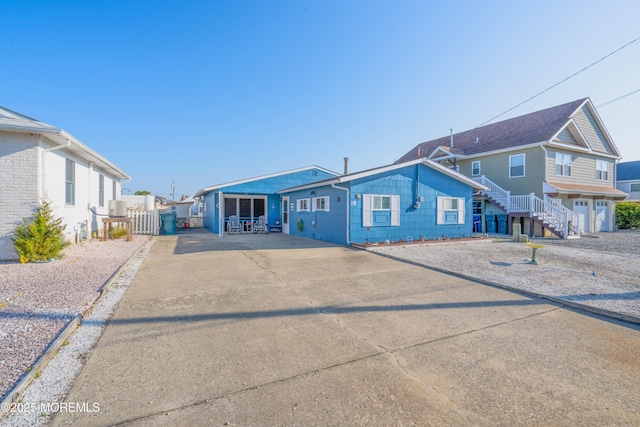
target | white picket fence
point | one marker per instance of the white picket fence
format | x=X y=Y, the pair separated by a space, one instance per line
x=145 y=222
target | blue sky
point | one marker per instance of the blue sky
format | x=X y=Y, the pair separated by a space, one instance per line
x=204 y=92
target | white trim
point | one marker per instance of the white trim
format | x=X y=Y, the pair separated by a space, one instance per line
x=601 y=125
x=367 y=210
x=299 y=203
x=314 y=203
x=561 y=164
x=395 y=211
x=524 y=165
x=479 y=168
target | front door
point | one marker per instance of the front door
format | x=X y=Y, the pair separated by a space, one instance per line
x=285 y=214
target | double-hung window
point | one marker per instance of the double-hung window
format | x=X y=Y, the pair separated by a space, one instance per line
x=602 y=170
x=634 y=187
x=516 y=165
x=380 y=210
x=320 y=204
x=70 y=188
x=302 y=205
x=113 y=190
x=475 y=168
x=563 y=164
x=450 y=210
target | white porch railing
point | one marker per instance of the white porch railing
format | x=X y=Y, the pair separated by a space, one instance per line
x=550 y=211
x=145 y=222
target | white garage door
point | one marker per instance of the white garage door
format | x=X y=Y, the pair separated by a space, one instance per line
x=602 y=215
x=581 y=208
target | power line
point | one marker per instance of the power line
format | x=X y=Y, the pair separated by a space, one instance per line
x=561 y=81
x=618 y=98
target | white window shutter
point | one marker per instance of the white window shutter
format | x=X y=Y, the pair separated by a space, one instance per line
x=440 y=216
x=395 y=210
x=367 y=209
x=461 y=210
x=313 y=204
x=326 y=203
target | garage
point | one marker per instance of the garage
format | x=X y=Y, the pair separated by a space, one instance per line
x=602 y=215
x=581 y=208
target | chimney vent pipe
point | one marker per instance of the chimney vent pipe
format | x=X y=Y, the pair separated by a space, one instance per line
x=346 y=165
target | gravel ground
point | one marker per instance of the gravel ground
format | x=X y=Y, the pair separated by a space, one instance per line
x=37 y=300
x=601 y=271
x=44 y=394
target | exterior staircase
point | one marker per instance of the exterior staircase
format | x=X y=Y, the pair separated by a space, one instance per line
x=547 y=212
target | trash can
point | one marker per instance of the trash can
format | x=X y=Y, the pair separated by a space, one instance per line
x=168 y=225
x=491 y=223
x=502 y=224
x=477 y=223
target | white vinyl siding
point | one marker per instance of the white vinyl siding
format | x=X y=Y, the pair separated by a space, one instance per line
x=380 y=203
x=450 y=210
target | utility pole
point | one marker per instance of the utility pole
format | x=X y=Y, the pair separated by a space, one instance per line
x=173 y=191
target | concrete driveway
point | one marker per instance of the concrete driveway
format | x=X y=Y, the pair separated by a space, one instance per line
x=256 y=330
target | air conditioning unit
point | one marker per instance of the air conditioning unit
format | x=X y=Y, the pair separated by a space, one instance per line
x=117 y=208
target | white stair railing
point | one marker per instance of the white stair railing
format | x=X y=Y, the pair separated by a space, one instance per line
x=496 y=192
x=573 y=221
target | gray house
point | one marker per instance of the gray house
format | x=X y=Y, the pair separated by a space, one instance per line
x=552 y=171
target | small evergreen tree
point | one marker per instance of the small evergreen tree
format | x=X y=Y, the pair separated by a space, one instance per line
x=40 y=238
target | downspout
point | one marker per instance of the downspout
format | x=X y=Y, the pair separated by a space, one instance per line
x=44 y=163
x=348 y=209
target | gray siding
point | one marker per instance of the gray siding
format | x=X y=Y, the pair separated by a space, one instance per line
x=583 y=170
x=496 y=168
x=591 y=131
x=566 y=136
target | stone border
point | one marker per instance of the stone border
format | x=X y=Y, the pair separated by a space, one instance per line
x=14 y=394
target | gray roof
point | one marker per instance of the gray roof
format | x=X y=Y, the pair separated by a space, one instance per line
x=524 y=130
x=16 y=122
x=628 y=171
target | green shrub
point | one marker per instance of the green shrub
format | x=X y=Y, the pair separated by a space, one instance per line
x=628 y=215
x=40 y=238
x=118 y=232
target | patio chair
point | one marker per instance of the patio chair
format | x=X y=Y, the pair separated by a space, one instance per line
x=234 y=225
x=261 y=225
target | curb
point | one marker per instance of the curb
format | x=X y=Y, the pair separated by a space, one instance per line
x=50 y=352
x=635 y=320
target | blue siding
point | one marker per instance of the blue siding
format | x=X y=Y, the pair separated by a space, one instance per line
x=413 y=222
x=331 y=226
x=261 y=187
x=328 y=226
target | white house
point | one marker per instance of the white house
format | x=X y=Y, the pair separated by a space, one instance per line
x=37 y=160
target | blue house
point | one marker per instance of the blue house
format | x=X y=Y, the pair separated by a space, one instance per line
x=419 y=199
x=254 y=197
